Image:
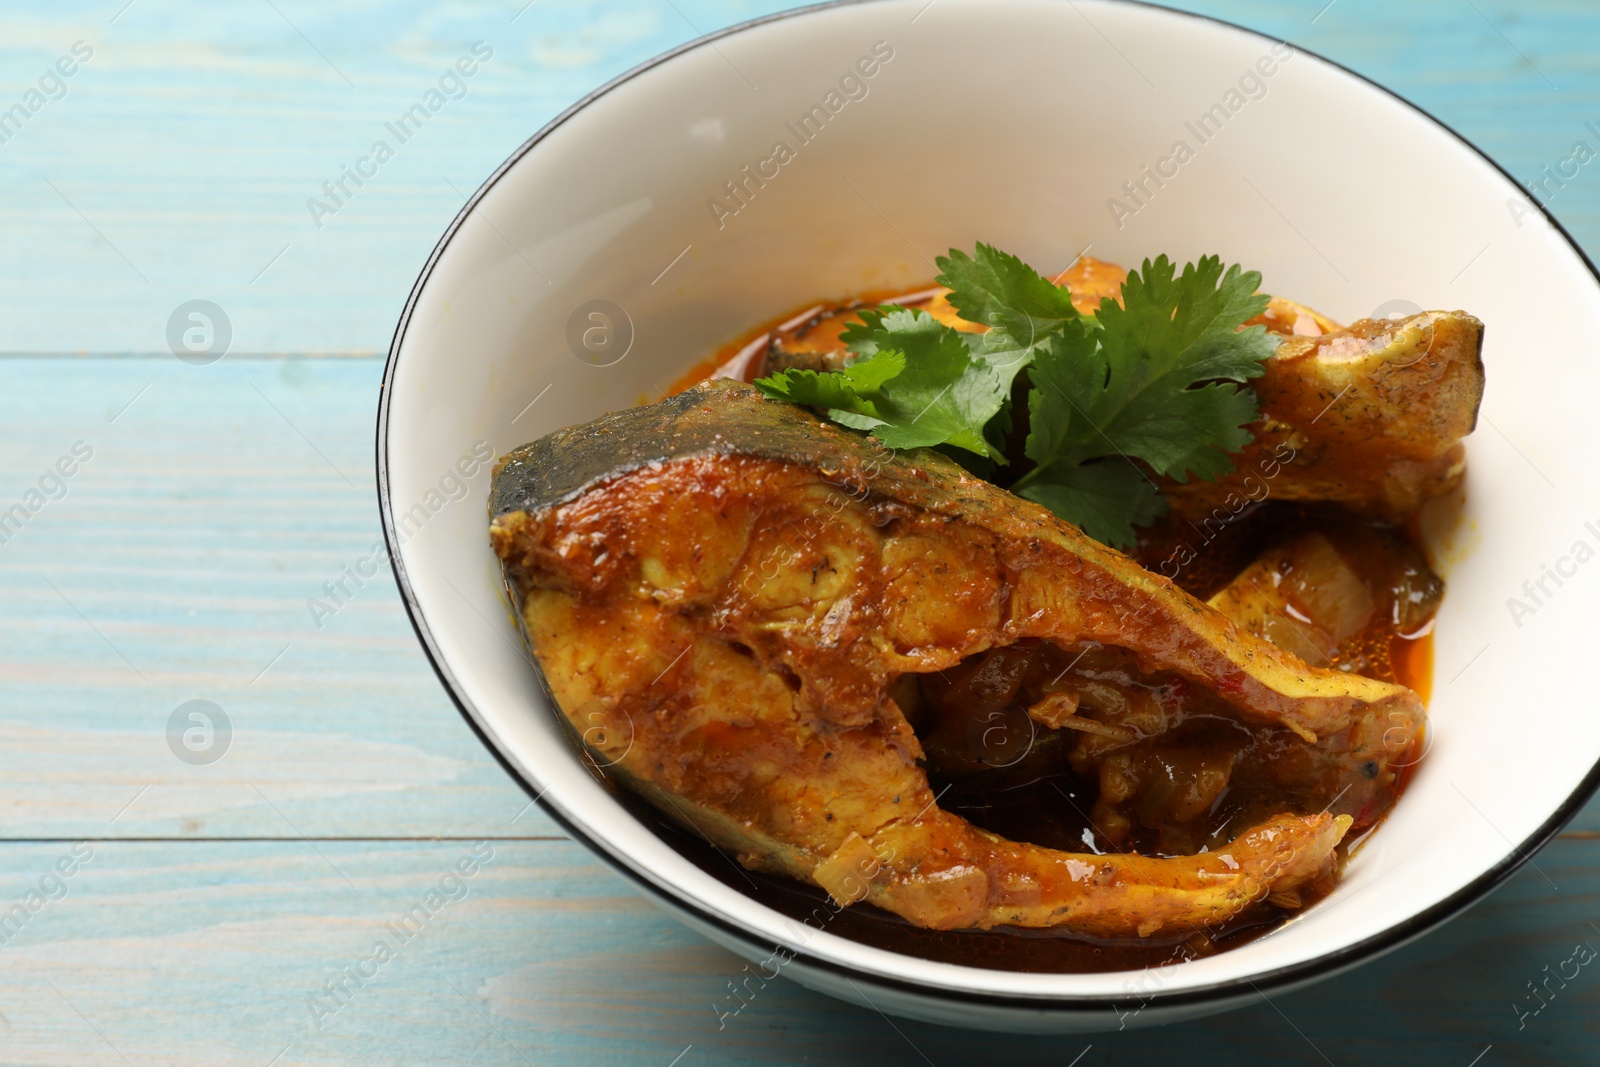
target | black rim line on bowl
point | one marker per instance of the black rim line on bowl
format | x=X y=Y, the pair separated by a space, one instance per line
x=1283 y=978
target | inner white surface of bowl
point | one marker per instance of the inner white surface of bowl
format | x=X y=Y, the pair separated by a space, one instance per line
x=1015 y=122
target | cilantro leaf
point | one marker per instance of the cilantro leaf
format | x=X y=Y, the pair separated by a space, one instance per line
x=937 y=394
x=1022 y=308
x=1060 y=431
x=846 y=394
x=942 y=396
x=1107 y=499
x=1170 y=335
x=862 y=337
x=1157 y=379
x=998 y=290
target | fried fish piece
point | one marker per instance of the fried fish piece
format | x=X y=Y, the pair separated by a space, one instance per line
x=725 y=593
x=1369 y=416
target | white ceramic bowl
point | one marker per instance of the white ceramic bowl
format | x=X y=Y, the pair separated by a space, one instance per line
x=1016 y=122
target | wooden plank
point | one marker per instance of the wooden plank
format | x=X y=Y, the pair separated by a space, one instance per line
x=206 y=954
x=180 y=162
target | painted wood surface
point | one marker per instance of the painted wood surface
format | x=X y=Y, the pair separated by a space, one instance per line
x=218 y=954
x=177 y=567
x=175 y=564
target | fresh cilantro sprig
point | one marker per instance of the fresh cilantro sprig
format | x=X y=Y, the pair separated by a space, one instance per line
x=1156 y=385
x=1157 y=379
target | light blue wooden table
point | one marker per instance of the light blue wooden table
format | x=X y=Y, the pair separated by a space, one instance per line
x=180 y=912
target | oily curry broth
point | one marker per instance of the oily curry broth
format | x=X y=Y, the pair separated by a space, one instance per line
x=992 y=764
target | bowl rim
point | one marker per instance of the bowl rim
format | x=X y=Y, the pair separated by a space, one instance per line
x=1279 y=979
